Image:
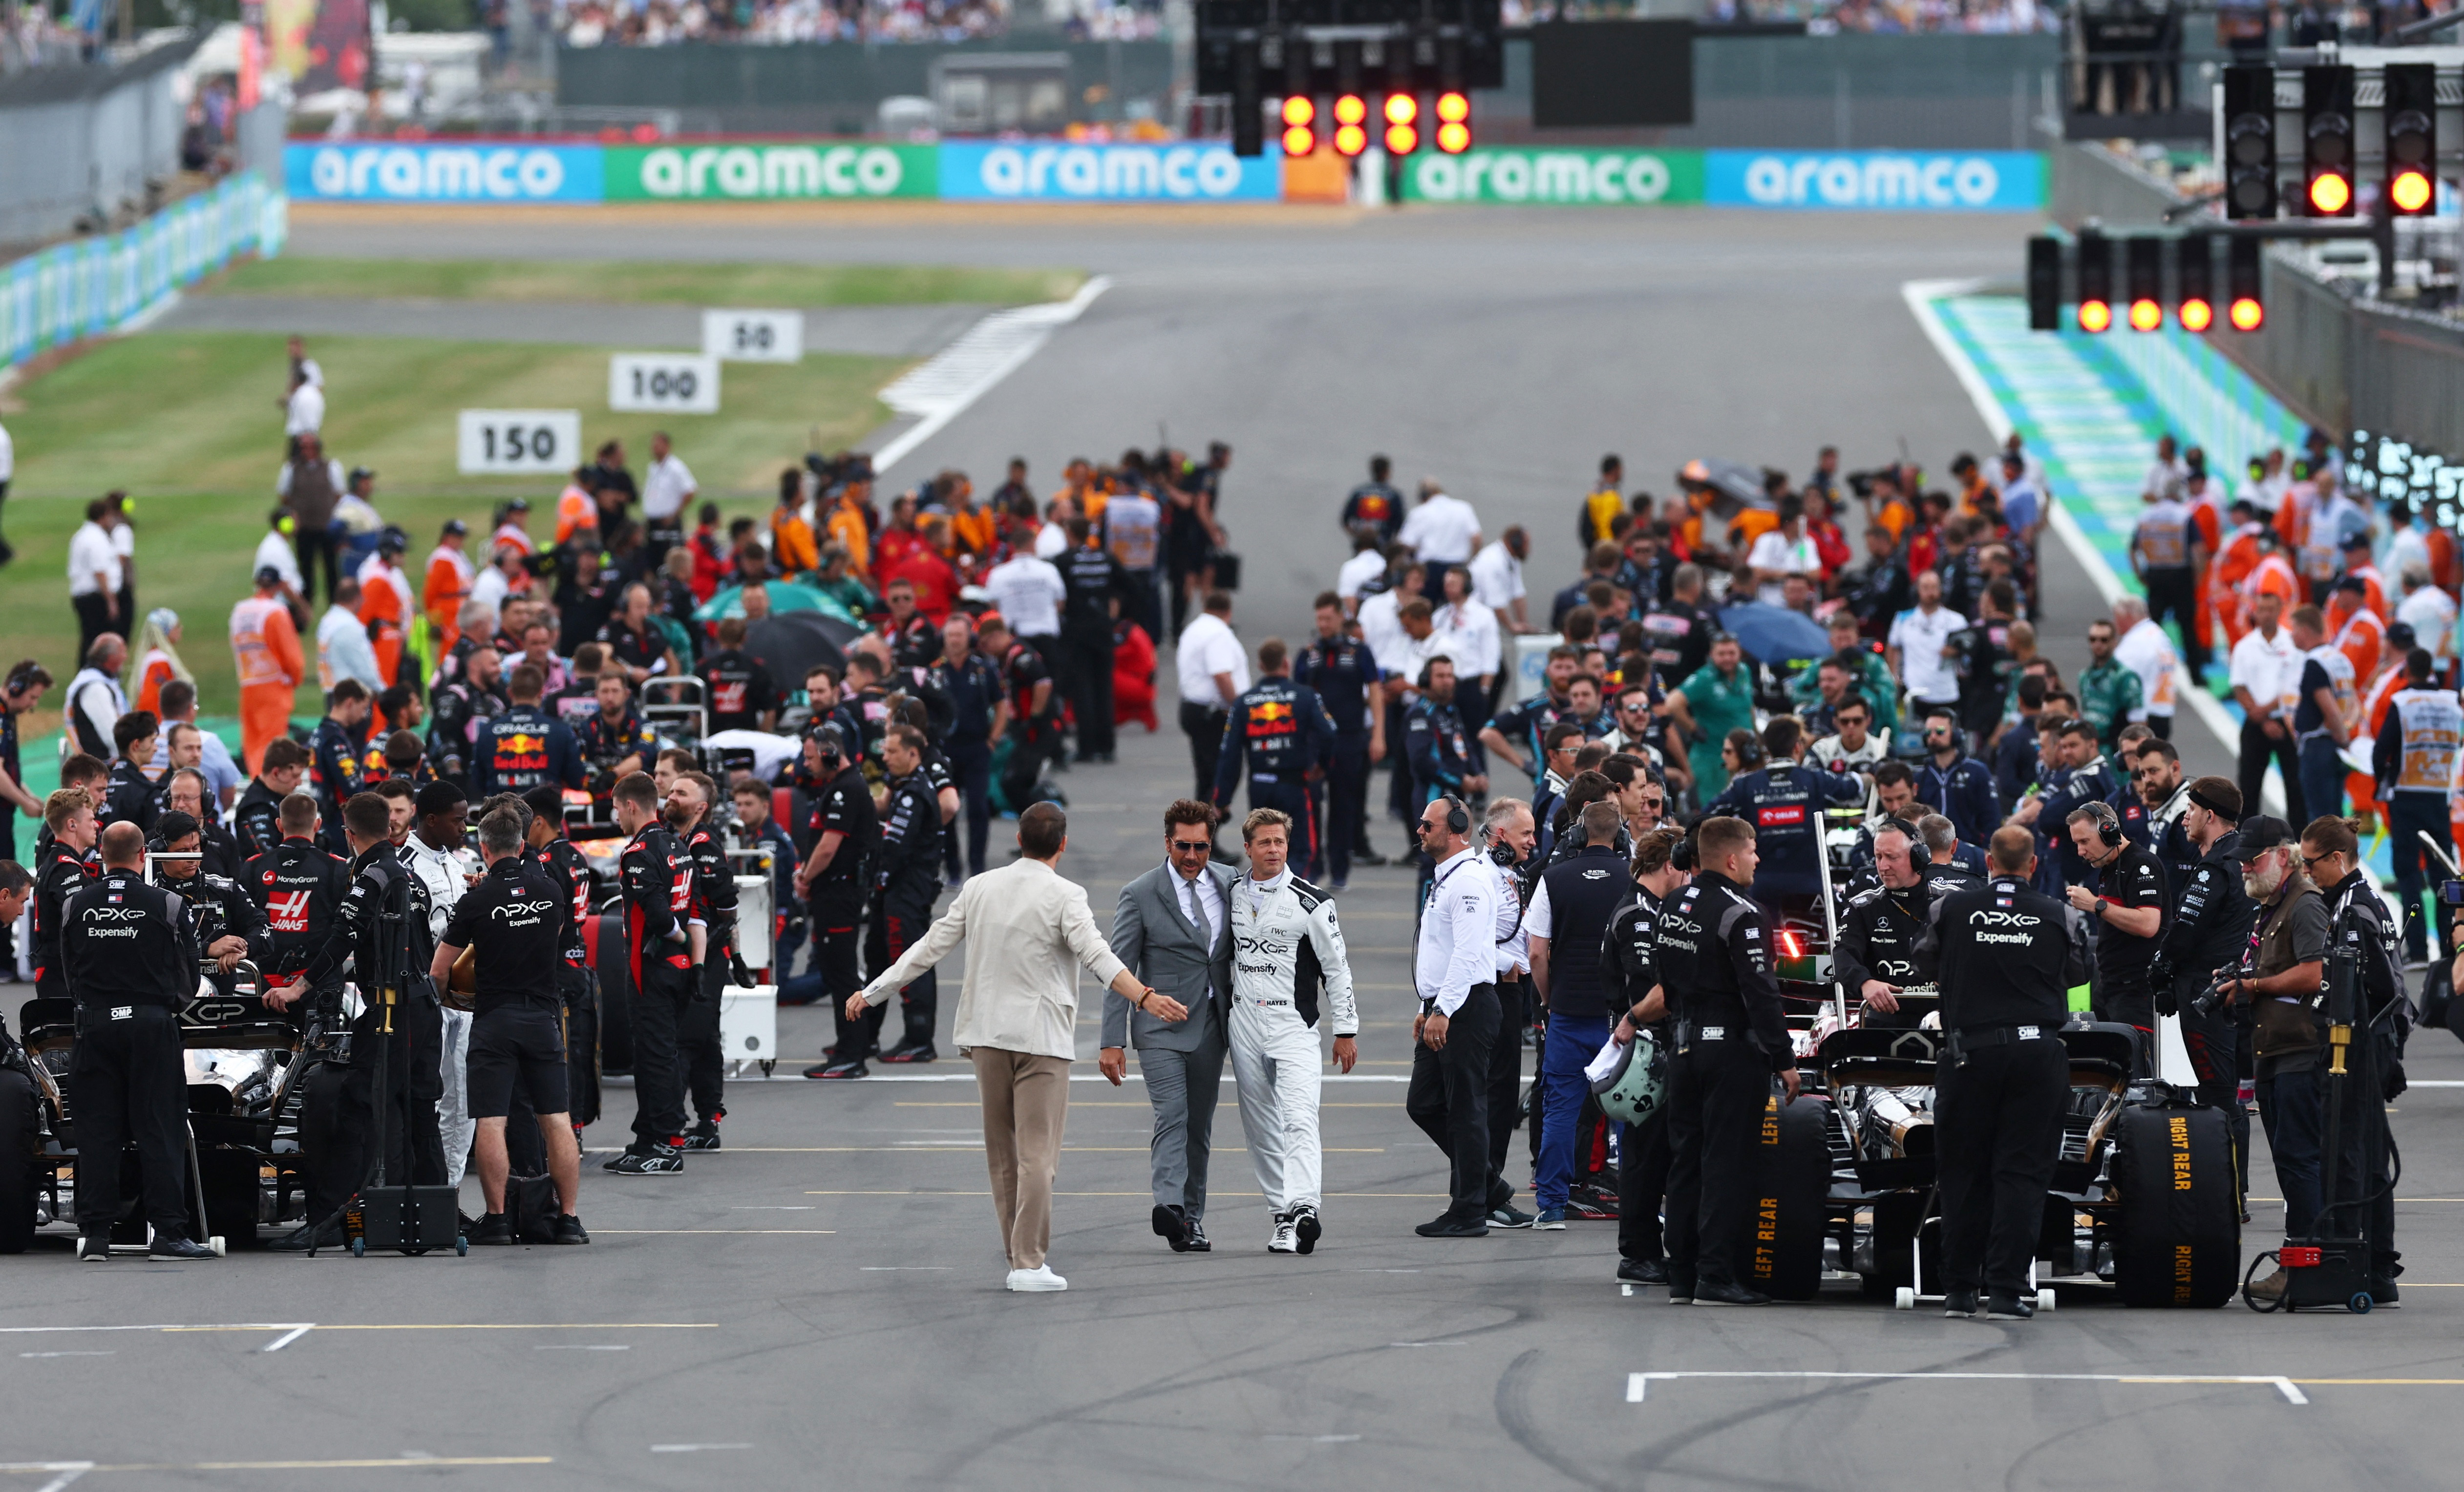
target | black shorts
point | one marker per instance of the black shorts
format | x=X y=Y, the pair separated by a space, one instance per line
x=524 y=1041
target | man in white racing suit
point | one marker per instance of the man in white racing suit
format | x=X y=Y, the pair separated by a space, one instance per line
x=1287 y=956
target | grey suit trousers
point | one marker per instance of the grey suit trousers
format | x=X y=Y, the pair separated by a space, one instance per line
x=1182 y=1086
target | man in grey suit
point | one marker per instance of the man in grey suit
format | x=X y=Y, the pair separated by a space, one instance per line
x=1174 y=930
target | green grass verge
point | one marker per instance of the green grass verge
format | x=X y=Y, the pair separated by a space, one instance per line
x=187 y=422
x=669 y=284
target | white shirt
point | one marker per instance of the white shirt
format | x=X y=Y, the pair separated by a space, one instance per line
x=1358 y=571
x=2269 y=667
x=2147 y=651
x=312 y=372
x=92 y=553
x=1028 y=591
x=8 y=455
x=1208 y=648
x=1381 y=628
x=275 y=550
x=343 y=651
x=490 y=590
x=1051 y=539
x=101 y=705
x=1442 y=529
x=1208 y=894
x=667 y=487
x=2431 y=613
x=1919 y=637
x=1774 y=552
x=2165 y=479
x=1028 y=931
x=1458 y=942
x=1469 y=635
x=333 y=473
x=1496 y=577
x=306 y=414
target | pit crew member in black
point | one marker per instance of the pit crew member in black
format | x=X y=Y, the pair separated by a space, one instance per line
x=2211 y=921
x=834 y=880
x=2007 y=962
x=130 y=963
x=526 y=746
x=299 y=887
x=657 y=889
x=517 y=921
x=905 y=881
x=1630 y=975
x=1715 y=964
x=1785 y=802
x=225 y=924
x=576 y=981
x=382 y=930
x=1877 y=960
x=1035 y=715
x=60 y=871
x=714 y=906
x=1347 y=682
x=979 y=712
x=741 y=694
x=1284 y=735
x=257 y=819
x=2129 y=901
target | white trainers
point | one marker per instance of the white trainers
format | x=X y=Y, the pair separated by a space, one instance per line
x=1285 y=1240
x=1038 y=1279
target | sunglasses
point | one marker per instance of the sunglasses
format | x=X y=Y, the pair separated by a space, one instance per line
x=2308 y=861
x=1190 y=846
x=1655 y=803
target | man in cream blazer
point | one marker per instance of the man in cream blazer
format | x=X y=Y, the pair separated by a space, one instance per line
x=1173 y=930
x=1028 y=931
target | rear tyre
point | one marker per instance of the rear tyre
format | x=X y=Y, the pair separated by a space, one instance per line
x=2178 y=1240
x=1785 y=1260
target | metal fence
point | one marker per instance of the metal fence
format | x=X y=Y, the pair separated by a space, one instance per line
x=2337 y=361
x=85 y=147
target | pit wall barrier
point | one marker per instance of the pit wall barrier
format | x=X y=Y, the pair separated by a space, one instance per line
x=91 y=286
x=1192 y=172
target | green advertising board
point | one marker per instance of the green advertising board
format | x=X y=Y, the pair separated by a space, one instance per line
x=1519 y=174
x=755 y=171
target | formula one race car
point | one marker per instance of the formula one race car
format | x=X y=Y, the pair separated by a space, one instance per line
x=2143 y=1200
x=248 y=1067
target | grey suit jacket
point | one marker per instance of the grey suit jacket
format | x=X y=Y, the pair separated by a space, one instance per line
x=1156 y=940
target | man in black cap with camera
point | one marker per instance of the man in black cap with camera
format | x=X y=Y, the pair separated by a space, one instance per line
x=517 y=921
x=2006 y=961
x=131 y=962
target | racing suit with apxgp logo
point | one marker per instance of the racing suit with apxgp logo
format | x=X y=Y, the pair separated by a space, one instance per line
x=1288 y=968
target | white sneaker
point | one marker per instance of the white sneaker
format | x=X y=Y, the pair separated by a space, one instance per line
x=1285 y=1240
x=1038 y=1279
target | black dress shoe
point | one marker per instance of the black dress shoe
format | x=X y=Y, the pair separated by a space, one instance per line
x=2010 y=1308
x=307 y=1236
x=1171 y=1225
x=1643 y=1271
x=1960 y=1302
x=1727 y=1292
x=1450 y=1225
x=1197 y=1244
x=494 y=1228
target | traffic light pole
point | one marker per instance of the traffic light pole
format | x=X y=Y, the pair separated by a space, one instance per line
x=2380 y=231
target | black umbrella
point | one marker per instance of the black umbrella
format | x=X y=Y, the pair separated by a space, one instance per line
x=791 y=642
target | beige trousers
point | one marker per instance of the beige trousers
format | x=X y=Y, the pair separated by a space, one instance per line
x=1026 y=1099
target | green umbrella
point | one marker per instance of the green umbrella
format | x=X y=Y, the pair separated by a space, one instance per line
x=784 y=596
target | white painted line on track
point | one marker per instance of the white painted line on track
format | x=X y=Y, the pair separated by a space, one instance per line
x=290 y=1336
x=1635 y=1383
x=106 y=1352
x=714 y=1445
x=584 y=1347
x=64 y=1472
x=941 y=389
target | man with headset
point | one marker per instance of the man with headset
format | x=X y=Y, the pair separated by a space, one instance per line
x=2129 y=902
x=1454 y=972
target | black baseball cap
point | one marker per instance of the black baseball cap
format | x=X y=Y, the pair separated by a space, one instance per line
x=2263 y=833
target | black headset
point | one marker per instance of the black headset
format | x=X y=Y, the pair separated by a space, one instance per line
x=2108 y=823
x=1457 y=817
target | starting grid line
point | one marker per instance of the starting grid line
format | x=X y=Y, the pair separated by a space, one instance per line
x=64 y=1473
x=1637 y=1383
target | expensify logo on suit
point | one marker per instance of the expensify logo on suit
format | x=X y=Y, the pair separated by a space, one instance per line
x=1108 y=173
x=1984 y=181
x=434 y=172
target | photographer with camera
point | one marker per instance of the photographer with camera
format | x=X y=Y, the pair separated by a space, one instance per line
x=2212 y=923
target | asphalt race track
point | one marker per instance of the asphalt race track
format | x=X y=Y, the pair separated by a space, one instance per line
x=819 y=1303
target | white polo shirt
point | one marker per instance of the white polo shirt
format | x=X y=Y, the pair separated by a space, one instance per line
x=1358 y=571
x=2269 y=669
x=1496 y=577
x=1208 y=648
x=1441 y=529
x=667 y=487
x=92 y=553
x=306 y=413
x=1029 y=593
x=1920 y=636
x=1469 y=636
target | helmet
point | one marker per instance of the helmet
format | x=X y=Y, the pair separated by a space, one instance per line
x=1635 y=1091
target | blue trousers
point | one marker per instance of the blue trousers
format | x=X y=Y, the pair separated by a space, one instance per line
x=1573 y=1041
x=2322 y=777
x=2295 y=1113
x=971 y=768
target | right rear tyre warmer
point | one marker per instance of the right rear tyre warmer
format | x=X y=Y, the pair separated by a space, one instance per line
x=17 y=1163
x=2178 y=1239
x=1784 y=1237
x=615 y=994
